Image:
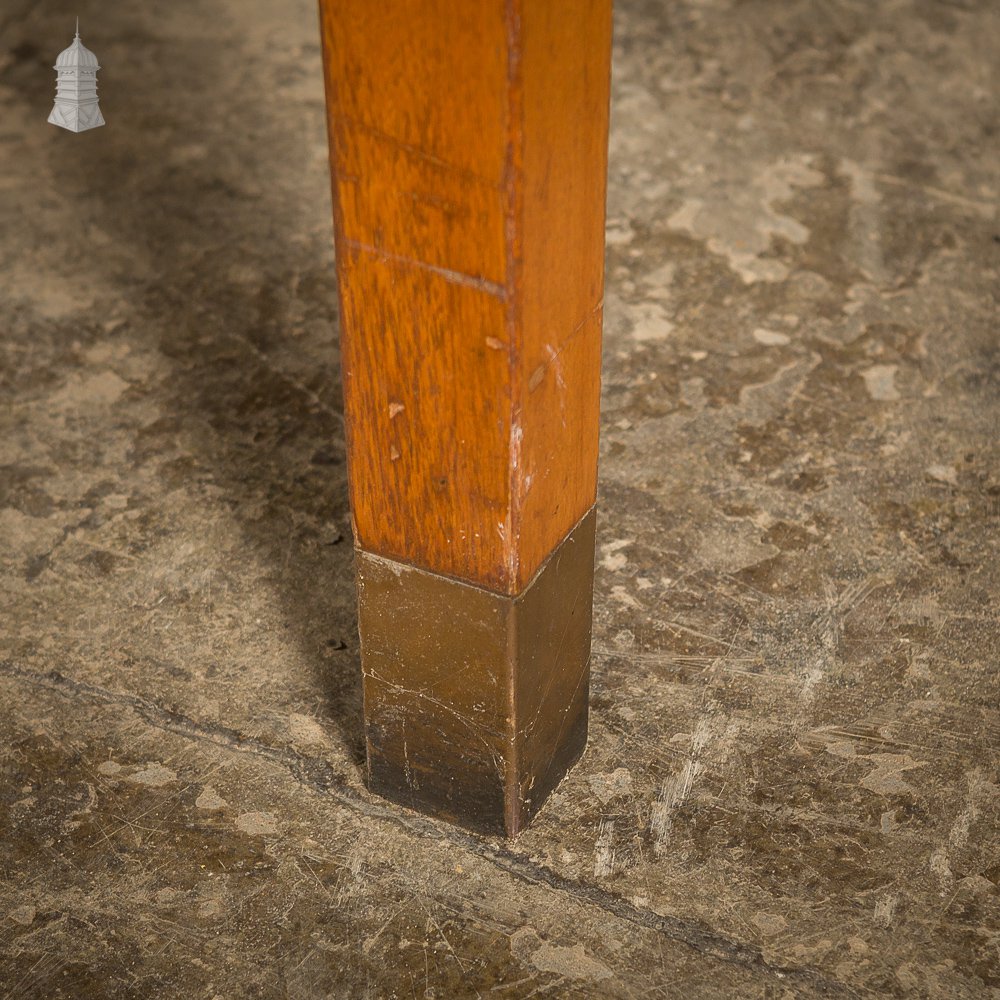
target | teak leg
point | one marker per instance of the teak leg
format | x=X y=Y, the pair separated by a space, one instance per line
x=469 y=149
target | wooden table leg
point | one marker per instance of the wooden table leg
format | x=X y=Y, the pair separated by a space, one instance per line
x=469 y=148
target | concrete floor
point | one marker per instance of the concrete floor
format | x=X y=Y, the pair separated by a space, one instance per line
x=791 y=788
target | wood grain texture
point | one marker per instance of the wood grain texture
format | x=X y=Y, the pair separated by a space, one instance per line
x=468 y=141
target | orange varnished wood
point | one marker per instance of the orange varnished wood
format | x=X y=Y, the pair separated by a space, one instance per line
x=468 y=139
x=565 y=71
x=428 y=416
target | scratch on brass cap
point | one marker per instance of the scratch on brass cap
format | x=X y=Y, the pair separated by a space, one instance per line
x=476 y=702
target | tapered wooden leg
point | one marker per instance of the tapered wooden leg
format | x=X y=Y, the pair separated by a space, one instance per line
x=469 y=146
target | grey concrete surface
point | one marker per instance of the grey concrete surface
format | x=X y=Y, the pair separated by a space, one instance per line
x=791 y=787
